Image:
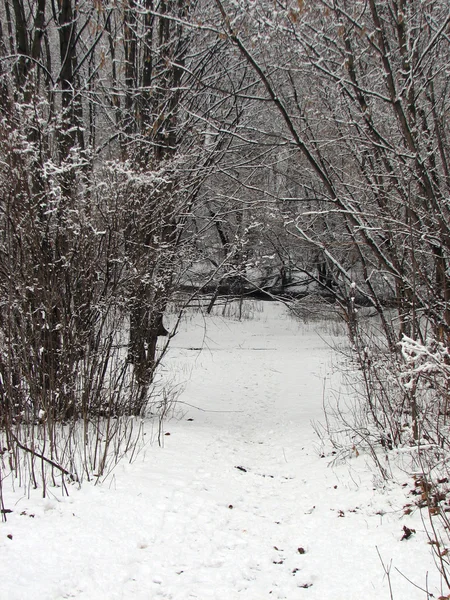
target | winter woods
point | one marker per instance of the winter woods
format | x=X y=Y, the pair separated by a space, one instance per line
x=149 y=146
x=103 y=155
x=103 y=160
x=360 y=94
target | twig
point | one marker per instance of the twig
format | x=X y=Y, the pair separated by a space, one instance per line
x=429 y=594
x=387 y=571
x=41 y=456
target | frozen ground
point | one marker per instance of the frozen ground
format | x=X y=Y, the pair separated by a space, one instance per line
x=238 y=504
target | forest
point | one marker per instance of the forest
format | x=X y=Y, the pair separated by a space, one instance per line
x=160 y=154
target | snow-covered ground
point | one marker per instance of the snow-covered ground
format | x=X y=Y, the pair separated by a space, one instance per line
x=238 y=504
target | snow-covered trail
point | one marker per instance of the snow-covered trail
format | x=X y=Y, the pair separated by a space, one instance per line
x=238 y=504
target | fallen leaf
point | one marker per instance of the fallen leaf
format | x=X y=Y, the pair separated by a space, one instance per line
x=407 y=533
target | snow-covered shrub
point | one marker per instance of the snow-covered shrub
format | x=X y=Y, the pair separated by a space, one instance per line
x=68 y=386
x=399 y=396
x=425 y=378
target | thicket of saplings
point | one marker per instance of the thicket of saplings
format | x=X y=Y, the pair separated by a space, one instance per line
x=396 y=404
x=78 y=356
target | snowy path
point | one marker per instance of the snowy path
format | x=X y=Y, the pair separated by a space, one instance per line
x=183 y=522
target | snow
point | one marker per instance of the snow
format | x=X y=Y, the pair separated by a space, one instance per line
x=239 y=503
